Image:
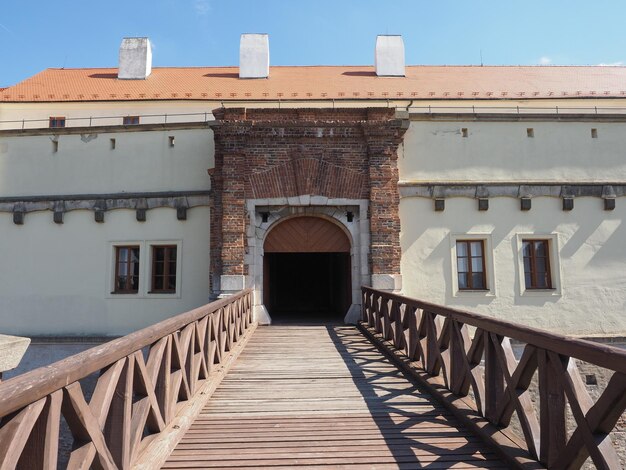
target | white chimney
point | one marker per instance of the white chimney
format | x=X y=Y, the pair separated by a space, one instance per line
x=135 y=59
x=254 y=56
x=389 y=60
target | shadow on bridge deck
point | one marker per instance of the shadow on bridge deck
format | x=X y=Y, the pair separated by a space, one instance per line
x=322 y=396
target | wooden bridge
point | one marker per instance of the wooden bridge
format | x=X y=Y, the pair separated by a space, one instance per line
x=414 y=385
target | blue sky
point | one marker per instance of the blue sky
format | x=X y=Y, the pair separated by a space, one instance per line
x=38 y=34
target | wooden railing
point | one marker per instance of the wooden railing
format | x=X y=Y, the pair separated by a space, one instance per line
x=141 y=382
x=440 y=342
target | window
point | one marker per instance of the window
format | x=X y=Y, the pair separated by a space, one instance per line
x=57 y=121
x=126 y=269
x=536 y=255
x=163 y=268
x=472 y=265
x=470 y=261
x=131 y=120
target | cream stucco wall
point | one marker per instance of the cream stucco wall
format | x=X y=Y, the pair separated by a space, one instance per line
x=57 y=279
x=87 y=163
x=103 y=113
x=590 y=298
x=436 y=151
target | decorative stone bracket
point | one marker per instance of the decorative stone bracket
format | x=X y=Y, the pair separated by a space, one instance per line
x=100 y=204
x=524 y=192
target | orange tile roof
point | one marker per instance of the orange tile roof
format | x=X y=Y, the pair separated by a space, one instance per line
x=323 y=82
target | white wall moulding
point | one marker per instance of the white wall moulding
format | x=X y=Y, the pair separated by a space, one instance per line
x=254 y=56
x=135 y=59
x=389 y=56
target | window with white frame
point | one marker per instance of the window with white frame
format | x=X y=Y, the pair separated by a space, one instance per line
x=145 y=268
x=472 y=264
x=538 y=261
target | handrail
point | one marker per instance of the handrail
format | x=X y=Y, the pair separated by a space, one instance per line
x=136 y=393
x=437 y=339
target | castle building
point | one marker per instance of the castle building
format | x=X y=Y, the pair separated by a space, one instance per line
x=134 y=193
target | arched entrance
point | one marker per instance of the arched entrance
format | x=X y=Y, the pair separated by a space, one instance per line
x=306 y=270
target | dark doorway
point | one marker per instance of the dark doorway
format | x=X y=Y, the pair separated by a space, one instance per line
x=307 y=287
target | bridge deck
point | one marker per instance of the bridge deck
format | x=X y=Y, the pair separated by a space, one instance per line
x=323 y=397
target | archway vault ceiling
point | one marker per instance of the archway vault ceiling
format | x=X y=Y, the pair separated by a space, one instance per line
x=306 y=235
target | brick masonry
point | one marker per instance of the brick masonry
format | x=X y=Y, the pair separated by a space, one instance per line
x=336 y=153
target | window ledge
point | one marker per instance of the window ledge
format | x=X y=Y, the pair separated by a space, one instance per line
x=541 y=292
x=474 y=293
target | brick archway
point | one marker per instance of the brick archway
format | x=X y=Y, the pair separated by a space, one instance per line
x=271 y=162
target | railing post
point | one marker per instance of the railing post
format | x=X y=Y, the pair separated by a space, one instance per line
x=458 y=371
x=494 y=378
x=551 y=411
x=118 y=424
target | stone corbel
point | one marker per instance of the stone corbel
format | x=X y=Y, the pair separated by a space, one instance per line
x=181 y=208
x=567 y=195
x=141 y=209
x=18 y=214
x=58 y=211
x=609 y=196
x=99 y=209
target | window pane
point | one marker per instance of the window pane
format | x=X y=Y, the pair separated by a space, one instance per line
x=541 y=249
x=476 y=248
x=135 y=255
x=134 y=284
x=526 y=249
x=477 y=265
x=122 y=269
x=158 y=283
x=542 y=280
x=527 y=265
x=158 y=269
x=123 y=254
x=461 y=249
x=528 y=280
x=462 y=265
x=136 y=269
x=172 y=283
x=463 y=281
x=172 y=254
x=121 y=283
x=540 y=265
x=477 y=281
x=159 y=254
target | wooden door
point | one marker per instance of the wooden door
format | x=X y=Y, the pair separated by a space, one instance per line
x=307 y=235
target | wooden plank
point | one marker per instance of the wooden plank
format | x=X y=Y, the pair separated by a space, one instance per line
x=507 y=445
x=324 y=397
